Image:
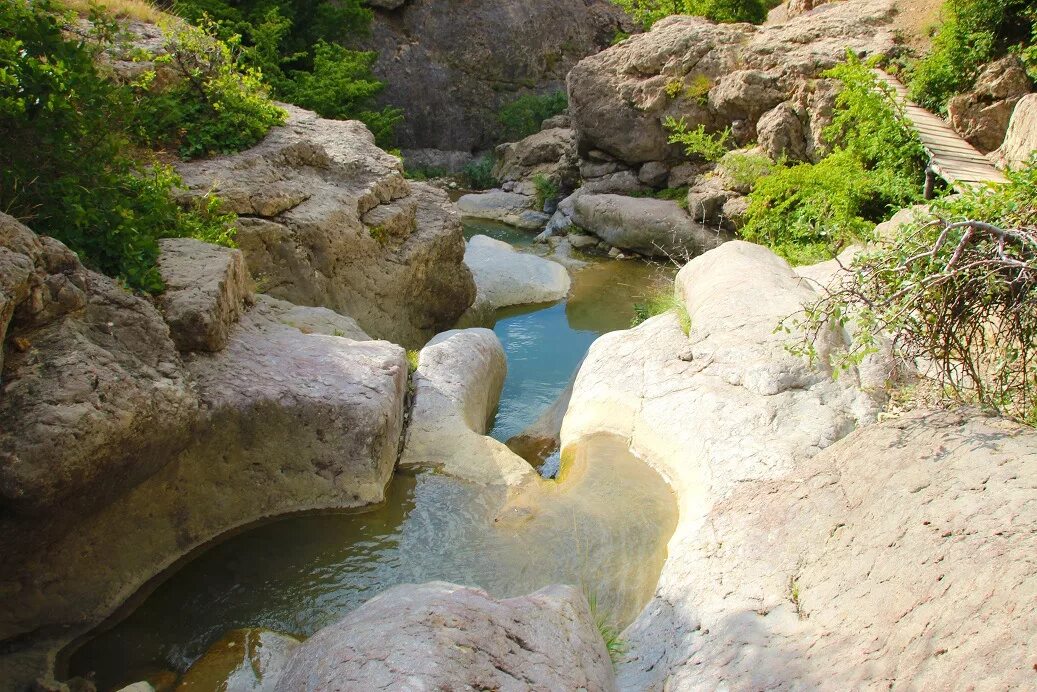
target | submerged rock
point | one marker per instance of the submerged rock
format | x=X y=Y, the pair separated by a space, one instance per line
x=246 y=660
x=442 y=636
x=648 y=226
x=504 y=276
x=329 y=220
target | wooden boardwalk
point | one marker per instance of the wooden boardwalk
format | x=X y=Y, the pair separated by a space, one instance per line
x=950 y=156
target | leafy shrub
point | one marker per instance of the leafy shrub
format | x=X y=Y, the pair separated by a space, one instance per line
x=698 y=143
x=659 y=304
x=744 y=170
x=66 y=168
x=808 y=212
x=699 y=88
x=216 y=105
x=973 y=33
x=523 y=116
x=648 y=12
x=546 y=189
x=957 y=288
x=478 y=175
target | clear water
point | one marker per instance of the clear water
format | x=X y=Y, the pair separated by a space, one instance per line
x=603 y=527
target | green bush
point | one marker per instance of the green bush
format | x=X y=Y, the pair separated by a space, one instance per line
x=973 y=33
x=697 y=143
x=659 y=304
x=478 y=175
x=523 y=116
x=66 y=168
x=744 y=170
x=808 y=212
x=546 y=190
x=648 y=12
x=216 y=105
x=957 y=288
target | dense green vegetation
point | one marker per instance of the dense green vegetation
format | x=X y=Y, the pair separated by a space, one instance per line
x=698 y=143
x=808 y=212
x=301 y=49
x=69 y=166
x=958 y=288
x=648 y=12
x=973 y=32
x=523 y=116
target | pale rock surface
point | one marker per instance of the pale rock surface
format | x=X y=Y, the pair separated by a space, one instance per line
x=724 y=406
x=1021 y=139
x=504 y=276
x=206 y=291
x=618 y=100
x=456 y=389
x=327 y=219
x=898 y=558
x=653 y=227
x=780 y=133
x=982 y=115
x=447 y=637
x=512 y=208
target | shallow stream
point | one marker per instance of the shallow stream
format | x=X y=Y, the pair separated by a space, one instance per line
x=604 y=526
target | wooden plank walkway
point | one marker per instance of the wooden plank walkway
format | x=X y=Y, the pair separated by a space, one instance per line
x=950 y=156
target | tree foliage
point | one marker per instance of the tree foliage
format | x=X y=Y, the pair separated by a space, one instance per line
x=66 y=167
x=648 y=12
x=523 y=116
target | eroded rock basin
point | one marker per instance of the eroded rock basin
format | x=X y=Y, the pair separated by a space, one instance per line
x=602 y=527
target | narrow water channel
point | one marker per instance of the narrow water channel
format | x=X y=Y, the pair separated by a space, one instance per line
x=603 y=527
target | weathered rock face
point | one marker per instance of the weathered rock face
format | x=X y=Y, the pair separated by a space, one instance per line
x=456 y=389
x=722 y=406
x=550 y=153
x=328 y=219
x=452 y=64
x=442 y=636
x=618 y=98
x=982 y=115
x=1021 y=139
x=506 y=277
x=206 y=291
x=93 y=393
x=652 y=227
x=899 y=556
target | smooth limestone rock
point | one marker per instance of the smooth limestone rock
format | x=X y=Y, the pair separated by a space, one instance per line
x=327 y=219
x=1021 y=139
x=446 y=637
x=723 y=406
x=244 y=660
x=900 y=557
x=504 y=276
x=456 y=389
x=453 y=64
x=512 y=208
x=206 y=289
x=653 y=227
x=620 y=97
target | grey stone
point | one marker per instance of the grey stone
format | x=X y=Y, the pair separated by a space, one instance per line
x=506 y=277
x=1021 y=139
x=781 y=134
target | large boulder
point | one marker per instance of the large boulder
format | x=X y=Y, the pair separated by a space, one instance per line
x=206 y=291
x=504 y=276
x=457 y=386
x=648 y=226
x=550 y=153
x=94 y=395
x=446 y=637
x=328 y=219
x=1021 y=139
x=901 y=555
x=729 y=75
x=512 y=208
x=721 y=406
x=981 y=116
x=453 y=64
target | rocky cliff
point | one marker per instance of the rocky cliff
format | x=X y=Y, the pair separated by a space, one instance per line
x=452 y=64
